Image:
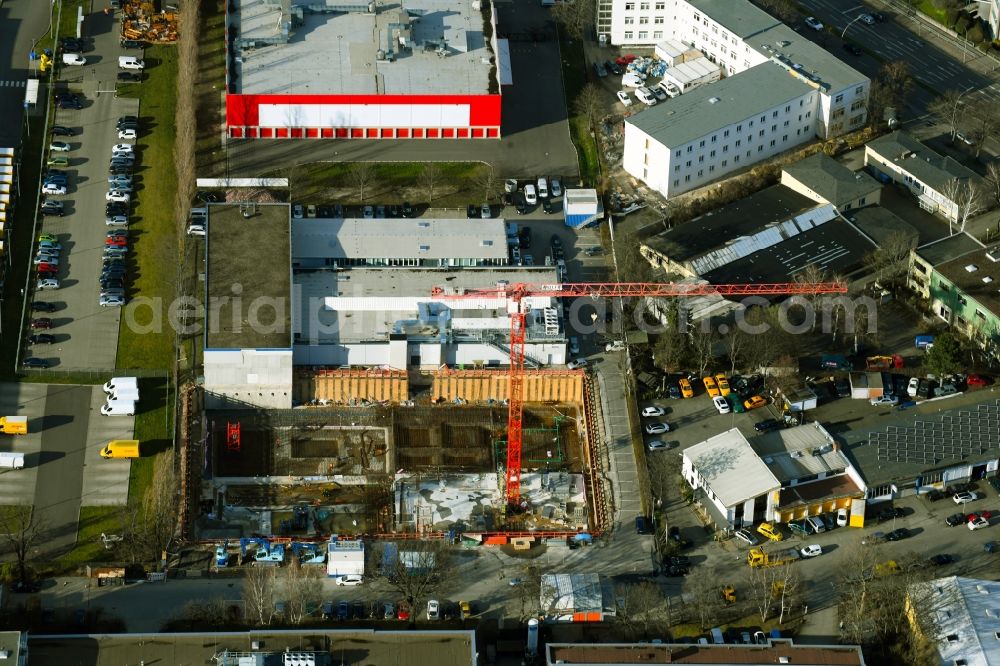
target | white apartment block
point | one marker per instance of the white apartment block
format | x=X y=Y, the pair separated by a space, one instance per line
x=738 y=36
x=713 y=130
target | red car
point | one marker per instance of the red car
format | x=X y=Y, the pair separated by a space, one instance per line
x=625 y=59
x=986 y=515
x=976 y=380
x=41 y=323
x=116 y=242
x=46 y=269
x=404 y=612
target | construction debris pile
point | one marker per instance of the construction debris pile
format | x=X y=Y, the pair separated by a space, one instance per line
x=143 y=21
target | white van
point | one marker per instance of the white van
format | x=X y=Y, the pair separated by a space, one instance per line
x=10 y=460
x=125 y=393
x=74 y=59
x=543 y=188
x=645 y=96
x=669 y=88
x=130 y=62
x=118 y=408
x=116 y=383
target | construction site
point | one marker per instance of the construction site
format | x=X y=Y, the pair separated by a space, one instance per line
x=351 y=462
x=150 y=22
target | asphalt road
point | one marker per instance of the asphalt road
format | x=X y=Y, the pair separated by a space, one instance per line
x=535 y=135
x=86 y=333
x=22 y=24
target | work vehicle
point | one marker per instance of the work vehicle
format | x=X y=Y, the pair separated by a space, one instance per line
x=121 y=448
x=118 y=408
x=770 y=531
x=11 y=460
x=758 y=557
x=14 y=425
x=118 y=383
x=125 y=393
x=130 y=62
x=464 y=610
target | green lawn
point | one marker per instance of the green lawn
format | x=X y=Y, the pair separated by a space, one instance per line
x=156 y=245
x=927 y=7
x=574 y=72
x=211 y=84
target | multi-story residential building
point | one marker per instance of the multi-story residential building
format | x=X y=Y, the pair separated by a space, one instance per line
x=937 y=181
x=738 y=36
x=713 y=130
x=989 y=10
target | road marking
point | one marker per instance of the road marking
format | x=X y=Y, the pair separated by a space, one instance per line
x=852 y=9
x=12 y=84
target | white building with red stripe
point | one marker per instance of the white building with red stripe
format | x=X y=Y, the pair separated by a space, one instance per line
x=418 y=69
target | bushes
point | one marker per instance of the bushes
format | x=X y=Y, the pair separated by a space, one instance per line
x=962 y=23
x=951 y=16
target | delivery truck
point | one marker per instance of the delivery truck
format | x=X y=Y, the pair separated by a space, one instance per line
x=118 y=408
x=14 y=425
x=125 y=393
x=10 y=460
x=117 y=383
x=758 y=557
x=121 y=448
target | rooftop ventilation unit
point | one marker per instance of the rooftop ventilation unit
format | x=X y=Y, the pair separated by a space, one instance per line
x=714 y=100
x=971 y=268
x=993 y=253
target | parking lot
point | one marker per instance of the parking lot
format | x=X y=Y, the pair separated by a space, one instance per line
x=85 y=333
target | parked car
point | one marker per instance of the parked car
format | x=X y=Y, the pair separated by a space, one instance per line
x=130 y=77
x=34 y=363
x=128 y=133
x=884 y=401
x=965 y=497
x=685 y=386
x=812 y=550
x=843 y=517
x=721 y=404
x=978 y=523
x=349 y=579
x=657 y=428
x=41 y=324
x=653 y=411
x=897 y=534
x=912 y=386
x=42 y=339
x=754 y=402
x=746 y=536
x=657 y=445
x=710 y=386
x=940 y=559
x=766 y=425
x=43 y=306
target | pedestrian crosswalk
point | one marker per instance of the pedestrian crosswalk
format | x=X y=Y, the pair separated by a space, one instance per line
x=12 y=84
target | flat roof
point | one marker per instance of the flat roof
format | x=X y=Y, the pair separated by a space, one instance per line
x=792 y=453
x=832 y=180
x=10 y=642
x=406 y=648
x=796 y=53
x=304 y=52
x=775 y=651
x=916 y=443
x=694 y=114
x=734 y=220
x=880 y=224
x=834 y=246
x=740 y=18
x=965 y=618
x=369 y=304
x=913 y=157
x=692 y=70
x=977 y=275
x=731 y=468
x=948 y=247
x=421 y=238
x=250 y=258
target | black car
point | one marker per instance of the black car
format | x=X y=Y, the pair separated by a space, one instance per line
x=673 y=391
x=472 y=212
x=33 y=362
x=897 y=534
x=42 y=339
x=955 y=519
x=548 y=207
x=69 y=103
x=853 y=49
x=522 y=207
x=926 y=388
x=25 y=587
x=679 y=561
x=890 y=513
x=129 y=76
x=132 y=44
x=210 y=197
x=556 y=242
x=766 y=424
x=393 y=211
x=613 y=67
x=675 y=571
x=128 y=119
x=116 y=208
x=112 y=283
x=843 y=388
x=941 y=559
x=57 y=212
x=62 y=130
x=42 y=306
x=935 y=495
x=878 y=16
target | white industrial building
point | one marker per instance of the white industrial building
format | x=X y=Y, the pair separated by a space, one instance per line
x=964 y=616
x=345 y=557
x=737 y=36
x=690 y=74
x=700 y=136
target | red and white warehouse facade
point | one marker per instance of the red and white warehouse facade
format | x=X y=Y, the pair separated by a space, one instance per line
x=363 y=116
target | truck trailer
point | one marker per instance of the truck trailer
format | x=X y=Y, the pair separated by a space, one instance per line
x=14 y=425
x=758 y=557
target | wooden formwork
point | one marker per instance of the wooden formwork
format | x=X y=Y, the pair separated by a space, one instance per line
x=483 y=385
x=345 y=386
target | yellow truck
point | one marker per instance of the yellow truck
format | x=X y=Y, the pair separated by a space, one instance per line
x=121 y=448
x=14 y=425
x=758 y=557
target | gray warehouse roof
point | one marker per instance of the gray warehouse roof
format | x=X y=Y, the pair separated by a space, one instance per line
x=355 y=238
x=832 y=180
x=880 y=224
x=731 y=468
x=915 y=158
x=711 y=107
x=738 y=17
x=948 y=248
x=796 y=52
x=335 y=51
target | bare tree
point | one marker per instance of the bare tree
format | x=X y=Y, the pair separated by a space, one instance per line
x=948 y=109
x=258 y=594
x=361 y=174
x=701 y=341
x=762 y=585
x=417 y=571
x=528 y=592
x=429 y=179
x=890 y=260
x=889 y=89
x=159 y=508
x=588 y=103
x=486 y=181
x=301 y=588
x=782 y=9
x=640 y=607
x=703 y=596
x=968 y=199
x=575 y=18
x=21 y=528
x=993 y=181
x=985 y=122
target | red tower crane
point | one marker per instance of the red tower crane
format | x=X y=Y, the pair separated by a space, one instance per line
x=514 y=293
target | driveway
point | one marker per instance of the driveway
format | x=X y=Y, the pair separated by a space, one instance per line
x=86 y=334
x=535 y=135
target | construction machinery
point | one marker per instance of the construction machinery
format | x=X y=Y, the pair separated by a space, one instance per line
x=513 y=295
x=142 y=21
x=222 y=555
x=758 y=557
x=729 y=594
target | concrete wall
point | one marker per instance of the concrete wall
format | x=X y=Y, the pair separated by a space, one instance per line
x=343 y=386
x=481 y=385
x=431 y=355
x=248 y=377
